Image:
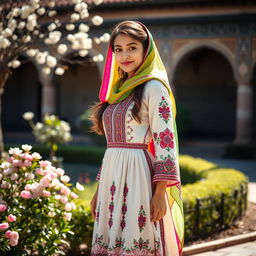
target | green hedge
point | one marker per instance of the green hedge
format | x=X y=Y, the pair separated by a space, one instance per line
x=222 y=193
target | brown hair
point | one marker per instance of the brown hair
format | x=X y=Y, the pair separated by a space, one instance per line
x=136 y=31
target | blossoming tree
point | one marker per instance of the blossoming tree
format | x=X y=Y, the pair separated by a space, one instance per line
x=25 y=29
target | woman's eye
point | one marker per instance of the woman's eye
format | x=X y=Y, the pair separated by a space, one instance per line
x=117 y=50
x=132 y=48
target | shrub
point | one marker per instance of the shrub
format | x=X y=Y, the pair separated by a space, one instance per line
x=36 y=205
x=215 y=200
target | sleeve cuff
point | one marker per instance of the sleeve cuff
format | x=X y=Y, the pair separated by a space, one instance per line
x=166 y=171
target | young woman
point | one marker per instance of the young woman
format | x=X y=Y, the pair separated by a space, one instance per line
x=137 y=207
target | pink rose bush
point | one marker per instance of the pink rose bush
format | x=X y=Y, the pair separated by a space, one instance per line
x=36 y=204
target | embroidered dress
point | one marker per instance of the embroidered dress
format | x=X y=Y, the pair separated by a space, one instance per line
x=128 y=175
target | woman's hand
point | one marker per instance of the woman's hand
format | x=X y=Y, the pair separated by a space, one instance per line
x=94 y=203
x=158 y=205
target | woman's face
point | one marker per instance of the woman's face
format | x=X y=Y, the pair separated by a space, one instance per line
x=128 y=53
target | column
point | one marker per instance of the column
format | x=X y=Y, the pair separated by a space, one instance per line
x=244 y=109
x=48 y=96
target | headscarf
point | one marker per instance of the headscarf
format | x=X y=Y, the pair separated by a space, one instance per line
x=151 y=68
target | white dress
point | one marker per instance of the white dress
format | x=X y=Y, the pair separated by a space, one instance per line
x=128 y=175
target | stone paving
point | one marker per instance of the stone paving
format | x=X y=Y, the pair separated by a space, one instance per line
x=245 y=249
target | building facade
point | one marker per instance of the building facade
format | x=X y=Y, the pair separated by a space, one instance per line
x=208 y=48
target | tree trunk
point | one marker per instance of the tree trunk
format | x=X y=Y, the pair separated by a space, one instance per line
x=4 y=75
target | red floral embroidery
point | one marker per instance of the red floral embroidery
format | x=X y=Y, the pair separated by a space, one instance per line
x=111 y=205
x=142 y=218
x=124 y=207
x=140 y=247
x=164 y=110
x=166 y=139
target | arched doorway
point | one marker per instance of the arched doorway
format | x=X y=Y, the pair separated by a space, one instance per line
x=22 y=94
x=76 y=90
x=205 y=86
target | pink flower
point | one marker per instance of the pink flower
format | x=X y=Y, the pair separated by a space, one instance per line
x=11 y=218
x=39 y=171
x=46 y=193
x=65 y=190
x=8 y=234
x=27 y=163
x=28 y=157
x=74 y=195
x=65 y=178
x=17 y=163
x=67 y=216
x=13 y=242
x=14 y=235
x=28 y=187
x=64 y=199
x=3 y=207
x=60 y=171
x=14 y=176
x=25 y=194
x=68 y=207
x=36 y=156
x=4 y=226
x=45 y=181
x=44 y=164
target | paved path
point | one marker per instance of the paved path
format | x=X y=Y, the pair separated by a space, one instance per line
x=246 y=249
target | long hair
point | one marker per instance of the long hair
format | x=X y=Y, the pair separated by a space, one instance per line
x=137 y=32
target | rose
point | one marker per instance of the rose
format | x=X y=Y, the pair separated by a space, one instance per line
x=3 y=207
x=25 y=194
x=4 y=226
x=11 y=218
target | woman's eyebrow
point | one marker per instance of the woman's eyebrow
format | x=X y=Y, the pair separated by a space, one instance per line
x=117 y=45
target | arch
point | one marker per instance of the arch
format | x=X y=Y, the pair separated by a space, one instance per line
x=213 y=45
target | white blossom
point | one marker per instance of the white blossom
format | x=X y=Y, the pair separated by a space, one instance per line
x=26 y=38
x=52 y=13
x=83 y=28
x=41 y=57
x=96 y=40
x=15 y=63
x=41 y=11
x=54 y=37
x=83 y=53
x=97 y=2
x=4 y=42
x=52 y=26
x=14 y=37
x=59 y=71
x=21 y=25
x=46 y=70
x=32 y=52
x=7 y=32
x=70 y=27
x=84 y=14
x=26 y=147
x=97 y=20
x=80 y=6
x=15 y=151
x=74 y=17
x=51 y=61
x=105 y=37
x=28 y=116
x=62 y=48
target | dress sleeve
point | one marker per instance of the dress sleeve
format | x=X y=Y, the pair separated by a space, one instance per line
x=161 y=122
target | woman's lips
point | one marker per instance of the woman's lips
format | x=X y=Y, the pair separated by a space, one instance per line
x=127 y=63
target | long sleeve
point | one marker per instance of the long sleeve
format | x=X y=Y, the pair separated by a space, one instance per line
x=161 y=122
